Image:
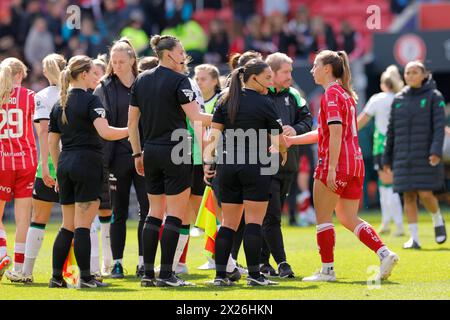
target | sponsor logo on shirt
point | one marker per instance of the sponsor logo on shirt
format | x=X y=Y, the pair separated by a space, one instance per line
x=30 y=186
x=332 y=103
x=341 y=183
x=13 y=154
x=286 y=101
x=280 y=122
x=101 y=112
x=188 y=93
x=5 y=189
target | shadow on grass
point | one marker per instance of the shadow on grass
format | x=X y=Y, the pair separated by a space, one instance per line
x=365 y=283
x=434 y=250
x=211 y=288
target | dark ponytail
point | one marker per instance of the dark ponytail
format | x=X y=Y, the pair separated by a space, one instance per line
x=239 y=75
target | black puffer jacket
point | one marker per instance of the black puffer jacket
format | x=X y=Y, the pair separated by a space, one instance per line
x=416 y=131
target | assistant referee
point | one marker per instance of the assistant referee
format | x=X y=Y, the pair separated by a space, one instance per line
x=163 y=96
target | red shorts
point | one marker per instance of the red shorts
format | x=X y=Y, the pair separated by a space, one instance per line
x=17 y=184
x=349 y=187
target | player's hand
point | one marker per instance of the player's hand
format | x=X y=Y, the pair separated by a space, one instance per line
x=208 y=173
x=289 y=131
x=56 y=187
x=434 y=160
x=139 y=164
x=48 y=180
x=331 y=180
x=273 y=149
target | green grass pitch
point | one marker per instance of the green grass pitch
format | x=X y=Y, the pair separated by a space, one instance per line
x=423 y=274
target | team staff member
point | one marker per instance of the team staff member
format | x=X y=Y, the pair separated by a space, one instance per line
x=339 y=174
x=114 y=93
x=242 y=186
x=18 y=156
x=414 y=141
x=78 y=120
x=296 y=118
x=44 y=194
x=164 y=97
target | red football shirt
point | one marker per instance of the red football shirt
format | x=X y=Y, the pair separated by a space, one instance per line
x=17 y=142
x=338 y=106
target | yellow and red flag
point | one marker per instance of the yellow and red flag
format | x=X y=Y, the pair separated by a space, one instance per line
x=71 y=272
x=207 y=221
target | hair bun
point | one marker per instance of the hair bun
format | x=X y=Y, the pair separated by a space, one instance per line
x=155 y=40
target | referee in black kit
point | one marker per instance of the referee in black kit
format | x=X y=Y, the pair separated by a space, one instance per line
x=164 y=97
x=78 y=120
x=296 y=119
x=247 y=117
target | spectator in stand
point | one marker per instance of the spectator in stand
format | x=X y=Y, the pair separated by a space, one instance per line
x=350 y=41
x=218 y=44
x=323 y=35
x=300 y=28
x=178 y=11
x=7 y=34
x=259 y=37
x=189 y=32
x=111 y=18
x=55 y=13
x=138 y=37
x=155 y=16
x=237 y=42
x=279 y=6
x=24 y=19
x=243 y=10
x=280 y=35
x=39 y=43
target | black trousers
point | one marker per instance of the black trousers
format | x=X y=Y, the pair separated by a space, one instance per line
x=125 y=174
x=271 y=227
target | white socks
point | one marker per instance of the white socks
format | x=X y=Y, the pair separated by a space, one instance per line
x=182 y=240
x=414 y=231
x=327 y=268
x=391 y=207
x=106 y=243
x=437 y=218
x=95 y=262
x=383 y=252
x=231 y=264
x=35 y=236
x=384 y=204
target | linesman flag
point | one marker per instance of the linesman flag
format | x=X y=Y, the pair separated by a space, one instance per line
x=70 y=270
x=207 y=221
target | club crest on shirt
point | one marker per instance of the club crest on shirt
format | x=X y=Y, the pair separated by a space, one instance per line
x=101 y=112
x=189 y=94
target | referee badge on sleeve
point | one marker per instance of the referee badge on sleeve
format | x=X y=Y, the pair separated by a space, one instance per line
x=188 y=93
x=101 y=112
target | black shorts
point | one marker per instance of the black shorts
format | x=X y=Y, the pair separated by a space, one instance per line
x=198 y=184
x=105 y=203
x=43 y=193
x=80 y=176
x=377 y=162
x=239 y=182
x=162 y=176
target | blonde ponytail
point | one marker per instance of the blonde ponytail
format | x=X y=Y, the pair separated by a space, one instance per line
x=6 y=84
x=392 y=79
x=53 y=64
x=76 y=66
x=9 y=68
x=65 y=82
x=346 y=77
